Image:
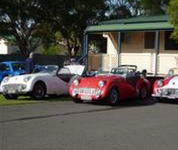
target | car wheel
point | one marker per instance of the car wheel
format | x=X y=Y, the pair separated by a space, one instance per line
x=76 y=100
x=39 y=91
x=113 y=97
x=157 y=99
x=143 y=93
x=11 y=96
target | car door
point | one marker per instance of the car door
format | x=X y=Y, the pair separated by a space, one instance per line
x=3 y=71
x=56 y=85
x=126 y=90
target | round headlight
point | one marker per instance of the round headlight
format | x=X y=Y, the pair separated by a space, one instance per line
x=6 y=79
x=74 y=92
x=26 y=79
x=101 y=84
x=160 y=83
x=76 y=82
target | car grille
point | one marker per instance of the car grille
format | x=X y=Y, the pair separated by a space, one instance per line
x=167 y=92
x=172 y=91
x=12 y=86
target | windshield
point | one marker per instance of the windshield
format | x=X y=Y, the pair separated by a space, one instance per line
x=173 y=71
x=123 y=70
x=49 y=69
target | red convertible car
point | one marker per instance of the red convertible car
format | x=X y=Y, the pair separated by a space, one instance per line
x=167 y=88
x=123 y=82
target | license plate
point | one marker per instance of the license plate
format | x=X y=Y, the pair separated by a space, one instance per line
x=86 y=97
x=11 y=91
x=172 y=97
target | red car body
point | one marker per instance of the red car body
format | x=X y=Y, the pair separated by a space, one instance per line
x=117 y=85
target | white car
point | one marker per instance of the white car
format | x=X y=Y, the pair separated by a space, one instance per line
x=51 y=80
x=167 y=88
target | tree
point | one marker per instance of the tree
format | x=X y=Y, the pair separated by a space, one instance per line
x=21 y=19
x=173 y=12
x=154 y=7
x=71 y=18
x=118 y=9
x=35 y=22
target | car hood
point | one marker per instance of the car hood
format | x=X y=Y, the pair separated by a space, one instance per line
x=108 y=77
x=173 y=82
x=20 y=78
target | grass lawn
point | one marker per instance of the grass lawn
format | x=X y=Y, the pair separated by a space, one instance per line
x=27 y=100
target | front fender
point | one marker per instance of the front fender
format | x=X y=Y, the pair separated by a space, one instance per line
x=107 y=88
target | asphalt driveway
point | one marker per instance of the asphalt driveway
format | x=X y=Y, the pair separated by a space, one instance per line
x=69 y=126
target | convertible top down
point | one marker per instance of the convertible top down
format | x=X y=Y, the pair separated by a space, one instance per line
x=51 y=80
x=120 y=83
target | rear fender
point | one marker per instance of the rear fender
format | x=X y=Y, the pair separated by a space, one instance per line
x=142 y=82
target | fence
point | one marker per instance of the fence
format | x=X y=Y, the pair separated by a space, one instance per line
x=38 y=58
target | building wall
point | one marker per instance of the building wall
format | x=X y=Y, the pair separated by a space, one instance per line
x=133 y=52
x=7 y=47
x=3 y=47
x=134 y=43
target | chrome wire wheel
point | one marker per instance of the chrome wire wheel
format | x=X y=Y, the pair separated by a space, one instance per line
x=39 y=91
x=143 y=94
x=113 y=97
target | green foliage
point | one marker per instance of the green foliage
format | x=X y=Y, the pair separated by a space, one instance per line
x=24 y=100
x=4 y=101
x=39 y=19
x=118 y=9
x=154 y=7
x=173 y=12
x=54 y=50
x=72 y=19
x=19 y=19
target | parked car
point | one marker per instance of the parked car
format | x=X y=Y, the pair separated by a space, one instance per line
x=11 y=68
x=120 y=83
x=167 y=88
x=50 y=80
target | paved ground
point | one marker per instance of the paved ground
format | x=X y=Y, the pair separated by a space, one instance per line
x=69 y=126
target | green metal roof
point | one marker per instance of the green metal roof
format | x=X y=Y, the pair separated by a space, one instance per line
x=133 y=24
x=139 y=19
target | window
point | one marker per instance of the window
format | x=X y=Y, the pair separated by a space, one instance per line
x=4 y=67
x=97 y=44
x=149 y=40
x=169 y=43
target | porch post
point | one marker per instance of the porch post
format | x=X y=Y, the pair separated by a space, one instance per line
x=157 y=51
x=119 y=47
x=85 y=50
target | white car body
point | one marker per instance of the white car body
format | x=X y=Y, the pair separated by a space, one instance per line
x=55 y=83
x=167 y=88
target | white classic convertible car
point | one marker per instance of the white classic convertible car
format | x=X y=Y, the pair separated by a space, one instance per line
x=167 y=88
x=51 y=80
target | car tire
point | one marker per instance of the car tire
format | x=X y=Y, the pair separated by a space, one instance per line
x=10 y=96
x=39 y=91
x=143 y=93
x=76 y=100
x=113 y=97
